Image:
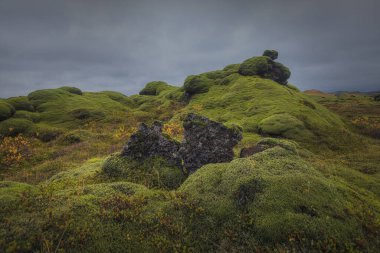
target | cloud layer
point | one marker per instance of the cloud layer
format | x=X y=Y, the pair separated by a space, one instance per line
x=122 y=44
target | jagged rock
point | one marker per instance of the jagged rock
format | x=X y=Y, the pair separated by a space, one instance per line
x=207 y=141
x=149 y=142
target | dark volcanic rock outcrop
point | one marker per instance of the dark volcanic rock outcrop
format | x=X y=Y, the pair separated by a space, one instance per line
x=149 y=142
x=206 y=142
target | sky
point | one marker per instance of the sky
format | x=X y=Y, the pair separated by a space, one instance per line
x=121 y=45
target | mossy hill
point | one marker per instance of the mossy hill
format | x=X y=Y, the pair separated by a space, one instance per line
x=316 y=188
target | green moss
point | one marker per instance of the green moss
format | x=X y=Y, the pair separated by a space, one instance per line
x=10 y=193
x=72 y=90
x=119 y=97
x=255 y=66
x=46 y=133
x=292 y=87
x=281 y=73
x=75 y=136
x=280 y=195
x=197 y=84
x=6 y=110
x=21 y=103
x=273 y=54
x=279 y=124
x=32 y=116
x=154 y=88
x=154 y=172
x=87 y=114
x=13 y=127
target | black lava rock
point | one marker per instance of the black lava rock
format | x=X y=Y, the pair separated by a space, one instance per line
x=207 y=141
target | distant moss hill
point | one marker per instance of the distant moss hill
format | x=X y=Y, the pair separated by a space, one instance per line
x=254 y=94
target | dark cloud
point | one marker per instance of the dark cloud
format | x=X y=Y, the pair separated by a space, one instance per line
x=122 y=44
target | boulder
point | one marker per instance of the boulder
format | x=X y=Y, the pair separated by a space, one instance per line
x=265 y=67
x=149 y=142
x=273 y=54
x=207 y=141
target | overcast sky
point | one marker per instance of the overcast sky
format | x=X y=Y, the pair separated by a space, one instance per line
x=122 y=44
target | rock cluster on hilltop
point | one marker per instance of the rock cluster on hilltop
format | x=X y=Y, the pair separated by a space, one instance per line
x=266 y=67
x=205 y=141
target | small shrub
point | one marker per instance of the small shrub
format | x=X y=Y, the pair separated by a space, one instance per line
x=6 y=110
x=14 y=150
x=13 y=127
x=72 y=90
x=174 y=130
x=377 y=97
x=197 y=84
x=21 y=103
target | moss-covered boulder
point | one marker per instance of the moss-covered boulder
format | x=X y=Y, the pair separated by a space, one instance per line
x=13 y=127
x=154 y=88
x=260 y=66
x=282 y=124
x=6 y=110
x=197 y=84
x=276 y=197
x=273 y=54
x=72 y=90
x=153 y=172
x=21 y=103
x=266 y=67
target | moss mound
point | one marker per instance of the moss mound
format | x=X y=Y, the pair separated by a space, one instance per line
x=152 y=172
x=197 y=84
x=32 y=116
x=46 y=133
x=13 y=127
x=72 y=90
x=255 y=66
x=281 y=125
x=273 y=54
x=6 y=110
x=281 y=199
x=87 y=114
x=21 y=103
x=265 y=67
x=154 y=88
